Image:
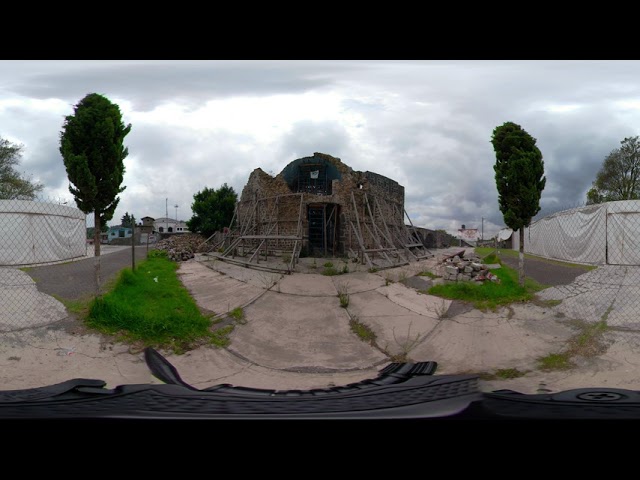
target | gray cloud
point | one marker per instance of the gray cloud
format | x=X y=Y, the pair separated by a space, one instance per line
x=307 y=137
x=426 y=124
x=148 y=84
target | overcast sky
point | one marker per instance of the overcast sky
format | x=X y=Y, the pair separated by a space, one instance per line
x=425 y=124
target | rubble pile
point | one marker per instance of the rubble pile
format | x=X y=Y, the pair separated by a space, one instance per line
x=456 y=268
x=181 y=247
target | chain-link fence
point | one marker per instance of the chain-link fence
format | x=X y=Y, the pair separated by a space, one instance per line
x=34 y=233
x=605 y=239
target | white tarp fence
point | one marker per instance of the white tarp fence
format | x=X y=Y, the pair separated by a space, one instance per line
x=504 y=234
x=623 y=232
x=595 y=234
x=37 y=232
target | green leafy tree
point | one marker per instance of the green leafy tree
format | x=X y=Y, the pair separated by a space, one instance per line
x=128 y=220
x=619 y=176
x=212 y=210
x=91 y=144
x=13 y=185
x=519 y=174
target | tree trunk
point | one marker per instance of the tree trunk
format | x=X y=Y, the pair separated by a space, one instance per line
x=133 y=246
x=96 y=234
x=96 y=258
x=521 y=258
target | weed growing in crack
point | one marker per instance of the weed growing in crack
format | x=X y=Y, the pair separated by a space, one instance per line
x=408 y=344
x=238 y=315
x=361 y=330
x=268 y=280
x=343 y=294
x=442 y=309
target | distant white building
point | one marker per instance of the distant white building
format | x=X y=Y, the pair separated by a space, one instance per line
x=169 y=225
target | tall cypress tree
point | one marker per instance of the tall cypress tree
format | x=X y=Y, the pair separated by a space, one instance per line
x=91 y=145
x=519 y=173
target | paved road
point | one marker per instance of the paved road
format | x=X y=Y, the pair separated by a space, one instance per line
x=75 y=280
x=546 y=272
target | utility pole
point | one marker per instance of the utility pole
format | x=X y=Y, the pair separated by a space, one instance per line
x=482 y=232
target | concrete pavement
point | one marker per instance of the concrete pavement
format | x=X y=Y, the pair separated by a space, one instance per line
x=610 y=292
x=297 y=336
x=26 y=299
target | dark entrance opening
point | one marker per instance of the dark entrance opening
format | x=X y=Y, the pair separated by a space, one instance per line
x=323 y=228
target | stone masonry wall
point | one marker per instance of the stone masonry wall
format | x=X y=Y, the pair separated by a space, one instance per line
x=261 y=186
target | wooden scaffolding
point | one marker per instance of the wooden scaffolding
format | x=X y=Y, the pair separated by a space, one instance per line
x=266 y=233
x=382 y=239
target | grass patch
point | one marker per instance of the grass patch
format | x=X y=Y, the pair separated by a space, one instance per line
x=80 y=307
x=330 y=271
x=500 y=374
x=344 y=299
x=490 y=295
x=484 y=251
x=490 y=259
x=428 y=274
x=487 y=251
x=238 y=315
x=328 y=265
x=508 y=373
x=151 y=306
x=588 y=342
x=555 y=361
x=361 y=330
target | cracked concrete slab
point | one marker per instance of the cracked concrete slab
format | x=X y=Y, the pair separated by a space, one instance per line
x=310 y=285
x=409 y=298
x=482 y=341
x=310 y=334
x=214 y=291
x=358 y=282
x=257 y=278
x=295 y=332
x=398 y=330
x=48 y=355
x=618 y=367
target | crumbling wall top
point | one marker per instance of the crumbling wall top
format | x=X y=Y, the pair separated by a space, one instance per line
x=261 y=184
